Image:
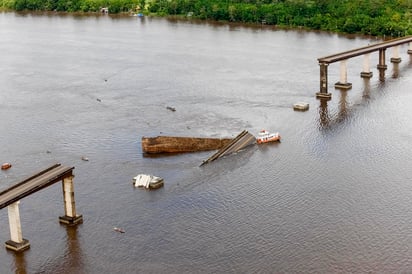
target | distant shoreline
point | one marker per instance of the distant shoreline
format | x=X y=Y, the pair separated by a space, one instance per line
x=195 y=20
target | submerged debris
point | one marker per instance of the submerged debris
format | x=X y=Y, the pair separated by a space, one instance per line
x=5 y=166
x=302 y=106
x=174 y=144
x=241 y=141
x=118 y=229
x=148 y=181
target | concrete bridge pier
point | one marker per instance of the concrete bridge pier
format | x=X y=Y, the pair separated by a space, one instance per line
x=343 y=82
x=382 y=65
x=70 y=217
x=16 y=243
x=395 y=55
x=366 y=73
x=323 y=91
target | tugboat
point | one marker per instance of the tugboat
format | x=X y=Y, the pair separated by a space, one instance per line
x=265 y=137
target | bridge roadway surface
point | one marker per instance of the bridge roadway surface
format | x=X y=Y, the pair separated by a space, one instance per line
x=364 y=50
x=241 y=141
x=34 y=183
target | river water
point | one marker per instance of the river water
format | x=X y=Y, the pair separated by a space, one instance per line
x=333 y=196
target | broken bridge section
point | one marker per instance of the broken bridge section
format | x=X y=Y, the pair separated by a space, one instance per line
x=241 y=141
x=11 y=198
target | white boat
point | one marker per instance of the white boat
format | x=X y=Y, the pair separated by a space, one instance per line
x=148 y=181
x=265 y=137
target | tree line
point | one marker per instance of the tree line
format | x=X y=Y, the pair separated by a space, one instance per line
x=372 y=17
x=115 y=6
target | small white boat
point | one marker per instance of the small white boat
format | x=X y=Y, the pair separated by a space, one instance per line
x=265 y=137
x=148 y=181
x=301 y=106
x=118 y=229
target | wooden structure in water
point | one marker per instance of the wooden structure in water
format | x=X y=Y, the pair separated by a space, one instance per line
x=11 y=198
x=170 y=144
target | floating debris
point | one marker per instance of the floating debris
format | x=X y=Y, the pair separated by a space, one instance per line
x=118 y=229
x=85 y=158
x=148 y=181
x=5 y=166
x=172 y=144
x=98 y=100
x=241 y=141
x=171 y=108
x=302 y=106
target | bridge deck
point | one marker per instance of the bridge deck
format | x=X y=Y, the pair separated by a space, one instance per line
x=363 y=50
x=241 y=141
x=34 y=183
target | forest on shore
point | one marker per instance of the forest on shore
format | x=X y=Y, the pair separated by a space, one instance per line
x=370 y=17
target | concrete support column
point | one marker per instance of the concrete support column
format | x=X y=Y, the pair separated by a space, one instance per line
x=410 y=48
x=366 y=73
x=16 y=243
x=395 y=55
x=343 y=82
x=16 y=234
x=382 y=65
x=323 y=91
x=69 y=204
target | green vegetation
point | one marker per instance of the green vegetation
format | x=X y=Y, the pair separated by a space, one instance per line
x=374 y=17
x=115 y=6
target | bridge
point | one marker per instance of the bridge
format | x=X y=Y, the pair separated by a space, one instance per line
x=241 y=141
x=11 y=197
x=366 y=73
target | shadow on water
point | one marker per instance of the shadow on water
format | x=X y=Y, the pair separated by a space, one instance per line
x=328 y=120
x=395 y=70
x=71 y=260
x=366 y=94
x=20 y=264
x=382 y=74
x=73 y=255
x=324 y=117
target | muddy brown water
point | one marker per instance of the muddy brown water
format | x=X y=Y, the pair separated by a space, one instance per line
x=333 y=196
